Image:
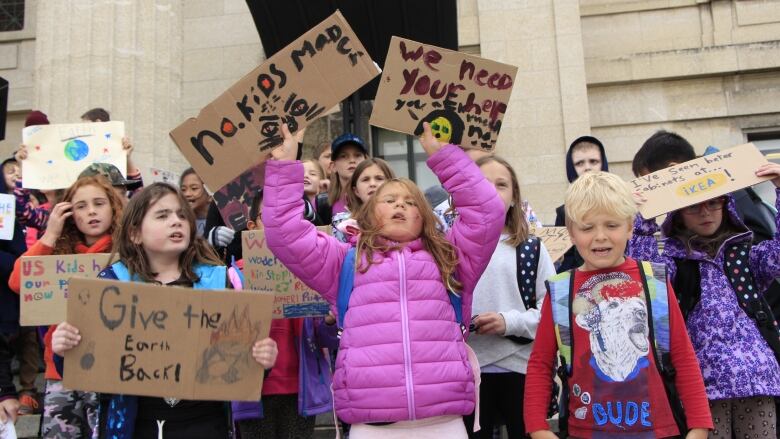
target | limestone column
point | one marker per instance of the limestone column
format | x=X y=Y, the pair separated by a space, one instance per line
x=122 y=55
x=549 y=103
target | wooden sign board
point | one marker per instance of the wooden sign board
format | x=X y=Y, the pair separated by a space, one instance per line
x=699 y=180
x=463 y=97
x=56 y=154
x=44 y=284
x=555 y=239
x=263 y=272
x=153 y=340
x=294 y=86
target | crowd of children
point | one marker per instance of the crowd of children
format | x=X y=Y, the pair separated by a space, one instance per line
x=448 y=317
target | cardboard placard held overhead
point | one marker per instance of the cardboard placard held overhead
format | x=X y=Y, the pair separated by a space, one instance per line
x=44 y=284
x=699 y=180
x=555 y=239
x=294 y=86
x=263 y=272
x=235 y=198
x=463 y=97
x=153 y=340
x=7 y=216
x=56 y=154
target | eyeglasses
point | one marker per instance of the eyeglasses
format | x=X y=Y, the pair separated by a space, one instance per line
x=710 y=205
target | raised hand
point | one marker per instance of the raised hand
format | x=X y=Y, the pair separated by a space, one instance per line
x=429 y=143
x=288 y=150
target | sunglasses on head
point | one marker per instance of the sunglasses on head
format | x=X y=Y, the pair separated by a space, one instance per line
x=711 y=205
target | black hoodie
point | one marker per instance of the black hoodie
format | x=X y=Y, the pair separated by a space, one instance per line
x=572 y=259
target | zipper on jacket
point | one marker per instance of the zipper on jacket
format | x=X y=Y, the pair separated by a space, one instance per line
x=406 y=338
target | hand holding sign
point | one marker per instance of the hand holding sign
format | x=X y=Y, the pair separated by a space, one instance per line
x=768 y=170
x=288 y=150
x=430 y=144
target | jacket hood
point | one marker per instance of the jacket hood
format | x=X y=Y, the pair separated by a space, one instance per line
x=675 y=248
x=571 y=173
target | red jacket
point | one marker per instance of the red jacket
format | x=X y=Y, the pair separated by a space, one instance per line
x=102 y=245
x=615 y=387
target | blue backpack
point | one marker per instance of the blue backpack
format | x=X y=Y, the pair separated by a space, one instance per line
x=346 y=284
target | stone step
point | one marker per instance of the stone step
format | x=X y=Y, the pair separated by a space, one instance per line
x=28 y=426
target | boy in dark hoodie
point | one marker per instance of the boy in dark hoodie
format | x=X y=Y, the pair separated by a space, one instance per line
x=586 y=153
x=24 y=340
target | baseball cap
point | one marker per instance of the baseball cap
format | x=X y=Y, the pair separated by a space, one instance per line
x=112 y=174
x=347 y=139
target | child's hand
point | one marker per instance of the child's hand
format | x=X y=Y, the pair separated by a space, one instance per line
x=330 y=319
x=639 y=198
x=288 y=150
x=264 y=352
x=543 y=434
x=429 y=143
x=127 y=146
x=8 y=410
x=64 y=338
x=59 y=214
x=490 y=323
x=21 y=153
x=299 y=135
x=770 y=169
x=697 y=433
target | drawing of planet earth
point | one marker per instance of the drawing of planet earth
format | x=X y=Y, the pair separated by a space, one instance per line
x=76 y=150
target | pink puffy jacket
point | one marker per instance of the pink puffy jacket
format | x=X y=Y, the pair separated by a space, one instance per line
x=402 y=355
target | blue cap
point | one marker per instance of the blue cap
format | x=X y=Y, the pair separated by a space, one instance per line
x=347 y=139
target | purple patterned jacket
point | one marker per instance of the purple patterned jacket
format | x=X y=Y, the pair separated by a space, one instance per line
x=735 y=360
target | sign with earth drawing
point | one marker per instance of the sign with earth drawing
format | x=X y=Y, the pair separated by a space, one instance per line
x=56 y=154
x=463 y=97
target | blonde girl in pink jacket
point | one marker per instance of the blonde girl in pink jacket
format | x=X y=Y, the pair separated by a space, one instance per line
x=403 y=363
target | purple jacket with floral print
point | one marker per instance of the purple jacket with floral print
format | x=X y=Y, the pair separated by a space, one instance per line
x=735 y=360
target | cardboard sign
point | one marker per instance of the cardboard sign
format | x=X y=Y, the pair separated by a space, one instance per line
x=44 y=285
x=156 y=175
x=56 y=154
x=234 y=200
x=7 y=216
x=294 y=86
x=555 y=239
x=699 y=180
x=263 y=272
x=153 y=340
x=463 y=97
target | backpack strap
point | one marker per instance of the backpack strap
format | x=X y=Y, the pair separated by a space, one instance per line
x=527 y=257
x=324 y=211
x=750 y=299
x=346 y=283
x=561 y=294
x=687 y=285
x=560 y=289
x=527 y=263
x=657 y=300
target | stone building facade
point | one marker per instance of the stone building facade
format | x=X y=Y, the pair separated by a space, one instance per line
x=616 y=69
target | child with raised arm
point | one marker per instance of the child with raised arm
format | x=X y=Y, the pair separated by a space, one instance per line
x=403 y=368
